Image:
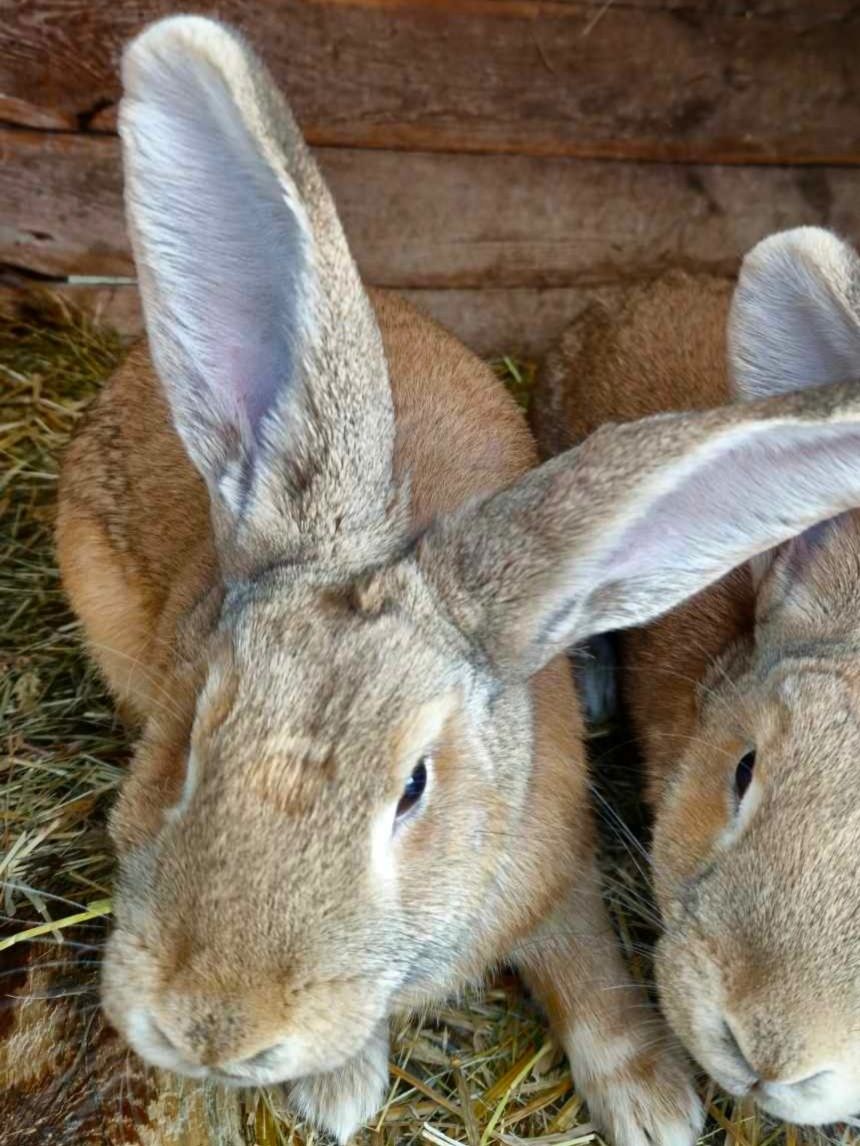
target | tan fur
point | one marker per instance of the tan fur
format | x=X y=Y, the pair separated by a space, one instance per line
x=134 y=538
x=138 y=557
x=123 y=567
x=104 y=557
x=760 y=905
x=363 y=564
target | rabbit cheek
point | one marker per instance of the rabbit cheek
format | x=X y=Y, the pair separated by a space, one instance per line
x=691 y=819
x=129 y=975
x=691 y=994
x=165 y=769
x=153 y=785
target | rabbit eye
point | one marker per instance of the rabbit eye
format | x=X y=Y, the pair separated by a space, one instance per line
x=744 y=774
x=414 y=789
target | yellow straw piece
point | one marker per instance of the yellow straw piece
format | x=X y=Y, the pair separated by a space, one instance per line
x=95 y=909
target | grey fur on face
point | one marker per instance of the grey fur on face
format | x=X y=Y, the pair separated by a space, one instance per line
x=362 y=576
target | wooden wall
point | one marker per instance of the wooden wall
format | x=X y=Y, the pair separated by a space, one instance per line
x=495 y=159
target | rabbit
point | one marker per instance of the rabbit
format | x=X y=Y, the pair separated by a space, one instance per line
x=317 y=566
x=746 y=699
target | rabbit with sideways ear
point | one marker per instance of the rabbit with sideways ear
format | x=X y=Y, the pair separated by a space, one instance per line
x=746 y=699
x=311 y=561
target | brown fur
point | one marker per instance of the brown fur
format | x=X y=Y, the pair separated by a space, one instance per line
x=124 y=567
x=761 y=919
x=364 y=582
x=145 y=570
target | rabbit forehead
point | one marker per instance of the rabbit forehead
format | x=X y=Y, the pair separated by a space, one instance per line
x=319 y=693
x=339 y=656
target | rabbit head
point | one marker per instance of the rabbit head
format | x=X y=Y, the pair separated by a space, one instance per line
x=327 y=825
x=756 y=859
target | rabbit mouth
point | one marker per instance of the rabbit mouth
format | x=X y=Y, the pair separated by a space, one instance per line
x=283 y=1061
x=269 y=1068
x=819 y=1100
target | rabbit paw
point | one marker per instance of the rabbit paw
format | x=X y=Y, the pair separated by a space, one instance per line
x=343 y=1100
x=643 y=1099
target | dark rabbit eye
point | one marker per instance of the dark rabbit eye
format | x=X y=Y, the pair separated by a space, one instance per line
x=414 y=789
x=744 y=774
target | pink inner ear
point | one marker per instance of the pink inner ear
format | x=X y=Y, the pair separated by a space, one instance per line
x=754 y=496
x=224 y=251
x=794 y=322
x=251 y=383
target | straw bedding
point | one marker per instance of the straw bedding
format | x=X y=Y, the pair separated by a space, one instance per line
x=479 y=1071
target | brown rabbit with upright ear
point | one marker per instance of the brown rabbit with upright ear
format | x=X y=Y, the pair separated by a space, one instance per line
x=309 y=559
x=746 y=700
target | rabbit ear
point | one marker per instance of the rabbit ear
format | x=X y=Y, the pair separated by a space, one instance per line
x=261 y=332
x=795 y=316
x=794 y=323
x=639 y=517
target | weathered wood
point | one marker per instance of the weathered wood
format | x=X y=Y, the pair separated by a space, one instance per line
x=434 y=222
x=690 y=80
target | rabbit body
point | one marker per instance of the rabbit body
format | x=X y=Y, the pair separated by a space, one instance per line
x=312 y=561
x=223 y=942
x=746 y=698
x=139 y=562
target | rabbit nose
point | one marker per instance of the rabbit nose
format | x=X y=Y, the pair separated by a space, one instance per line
x=201 y=1043
x=249 y=1070
x=262 y=1059
x=198 y=1056
x=209 y=1047
x=158 y=1032
x=732 y=1045
x=772 y=1081
x=733 y=1048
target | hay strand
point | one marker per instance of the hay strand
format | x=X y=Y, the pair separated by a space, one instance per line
x=480 y=1070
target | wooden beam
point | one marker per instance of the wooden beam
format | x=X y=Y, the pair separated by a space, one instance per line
x=443 y=222
x=679 y=80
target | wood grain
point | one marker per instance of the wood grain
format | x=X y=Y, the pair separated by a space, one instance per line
x=770 y=81
x=430 y=221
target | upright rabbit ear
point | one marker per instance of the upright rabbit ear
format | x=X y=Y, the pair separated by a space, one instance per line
x=795 y=316
x=637 y=518
x=794 y=323
x=260 y=329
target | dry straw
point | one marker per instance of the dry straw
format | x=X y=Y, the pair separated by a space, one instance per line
x=481 y=1071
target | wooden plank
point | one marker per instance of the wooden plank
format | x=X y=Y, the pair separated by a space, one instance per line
x=770 y=81
x=439 y=222
x=521 y=322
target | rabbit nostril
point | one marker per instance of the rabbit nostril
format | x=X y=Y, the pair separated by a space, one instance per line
x=734 y=1047
x=262 y=1058
x=239 y=1068
x=161 y=1034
